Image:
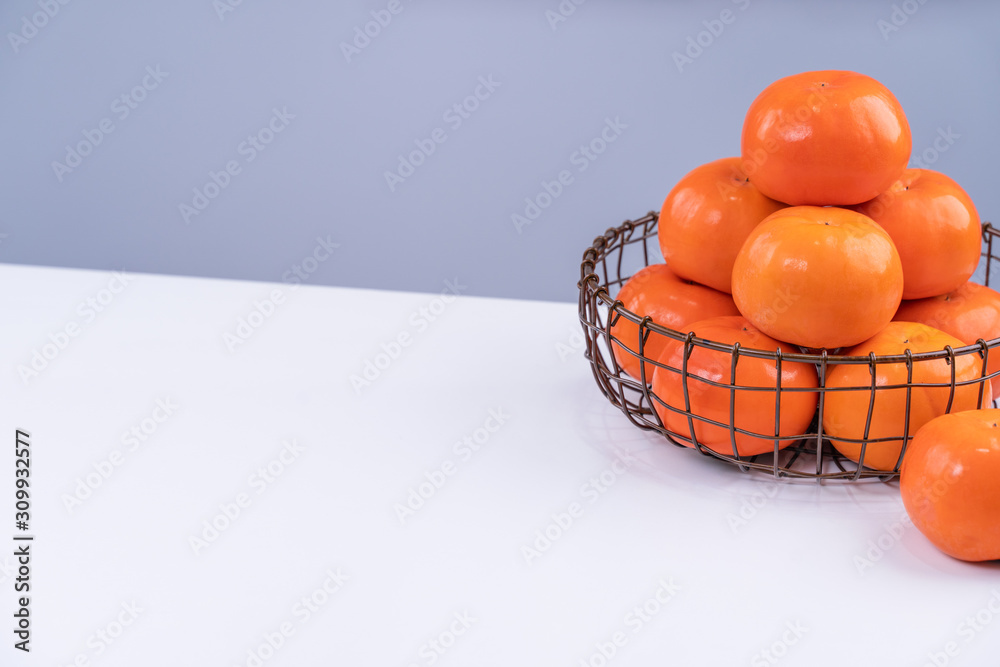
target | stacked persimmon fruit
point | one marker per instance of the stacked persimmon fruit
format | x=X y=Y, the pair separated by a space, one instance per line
x=819 y=237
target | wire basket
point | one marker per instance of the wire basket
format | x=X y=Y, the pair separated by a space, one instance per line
x=623 y=250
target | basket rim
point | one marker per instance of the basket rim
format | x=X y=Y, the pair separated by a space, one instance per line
x=598 y=250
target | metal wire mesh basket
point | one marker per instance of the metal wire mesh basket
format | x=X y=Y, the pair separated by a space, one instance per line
x=811 y=454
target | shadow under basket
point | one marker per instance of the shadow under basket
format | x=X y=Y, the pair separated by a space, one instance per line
x=623 y=250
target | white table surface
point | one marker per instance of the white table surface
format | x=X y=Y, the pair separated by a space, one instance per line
x=668 y=524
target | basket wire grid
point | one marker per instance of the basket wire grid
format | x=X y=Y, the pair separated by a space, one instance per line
x=809 y=455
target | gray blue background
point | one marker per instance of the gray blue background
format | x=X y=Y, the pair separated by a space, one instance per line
x=324 y=174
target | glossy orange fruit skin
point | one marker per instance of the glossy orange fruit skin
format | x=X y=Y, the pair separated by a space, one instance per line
x=754 y=410
x=949 y=484
x=845 y=412
x=825 y=138
x=671 y=302
x=818 y=277
x=706 y=218
x=969 y=313
x=935 y=227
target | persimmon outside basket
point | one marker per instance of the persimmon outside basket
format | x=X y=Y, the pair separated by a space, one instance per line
x=625 y=249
